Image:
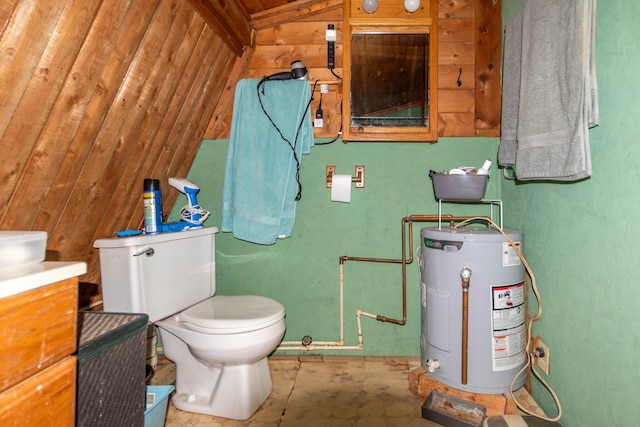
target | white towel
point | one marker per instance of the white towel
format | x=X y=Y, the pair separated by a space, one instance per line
x=549 y=90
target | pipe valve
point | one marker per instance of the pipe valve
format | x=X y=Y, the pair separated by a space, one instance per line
x=432 y=365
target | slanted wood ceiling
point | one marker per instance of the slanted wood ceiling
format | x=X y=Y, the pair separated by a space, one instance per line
x=95 y=96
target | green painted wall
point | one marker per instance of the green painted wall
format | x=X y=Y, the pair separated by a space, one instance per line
x=302 y=272
x=582 y=243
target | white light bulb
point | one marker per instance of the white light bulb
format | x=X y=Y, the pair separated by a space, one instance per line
x=411 y=5
x=370 y=6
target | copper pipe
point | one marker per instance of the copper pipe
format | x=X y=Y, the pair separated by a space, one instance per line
x=465 y=334
x=404 y=260
x=465 y=275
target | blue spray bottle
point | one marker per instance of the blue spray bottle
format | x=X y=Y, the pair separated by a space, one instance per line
x=152 y=206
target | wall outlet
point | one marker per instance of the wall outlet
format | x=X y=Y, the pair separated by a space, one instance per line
x=541 y=354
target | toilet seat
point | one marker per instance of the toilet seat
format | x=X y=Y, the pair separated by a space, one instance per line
x=232 y=314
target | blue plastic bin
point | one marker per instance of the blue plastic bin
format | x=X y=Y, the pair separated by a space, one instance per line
x=157 y=400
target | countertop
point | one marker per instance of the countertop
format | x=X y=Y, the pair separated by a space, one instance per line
x=14 y=280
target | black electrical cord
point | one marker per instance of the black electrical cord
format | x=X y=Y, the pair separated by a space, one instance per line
x=340 y=131
x=337 y=136
x=293 y=145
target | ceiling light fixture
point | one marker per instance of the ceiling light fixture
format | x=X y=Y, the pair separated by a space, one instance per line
x=370 y=6
x=411 y=5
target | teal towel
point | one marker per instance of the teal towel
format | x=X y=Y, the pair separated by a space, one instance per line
x=260 y=182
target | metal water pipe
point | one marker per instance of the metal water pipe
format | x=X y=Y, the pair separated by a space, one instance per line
x=404 y=260
x=465 y=276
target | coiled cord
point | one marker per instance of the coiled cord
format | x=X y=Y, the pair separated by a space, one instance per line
x=188 y=212
x=529 y=327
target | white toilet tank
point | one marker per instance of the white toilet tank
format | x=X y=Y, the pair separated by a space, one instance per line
x=157 y=274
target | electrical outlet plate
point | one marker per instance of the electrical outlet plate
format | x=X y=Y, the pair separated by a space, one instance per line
x=542 y=362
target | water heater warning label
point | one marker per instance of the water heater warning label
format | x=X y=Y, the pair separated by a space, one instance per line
x=508 y=326
x=509 y=255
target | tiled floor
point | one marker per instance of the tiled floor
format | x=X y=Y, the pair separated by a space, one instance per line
x=329 y=391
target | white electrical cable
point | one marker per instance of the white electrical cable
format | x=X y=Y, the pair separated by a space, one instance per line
x=188 y=212
x=529 y=327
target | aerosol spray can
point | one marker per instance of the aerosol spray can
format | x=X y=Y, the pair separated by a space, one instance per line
x=152 y=206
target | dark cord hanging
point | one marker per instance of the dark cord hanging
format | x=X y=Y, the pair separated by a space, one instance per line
x=260 y=89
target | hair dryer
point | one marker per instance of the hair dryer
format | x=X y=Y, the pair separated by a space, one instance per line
x=298 y=72
x=191 y=215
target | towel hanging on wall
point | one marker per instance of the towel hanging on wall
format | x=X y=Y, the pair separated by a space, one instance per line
x=550 y=95
x=270 y=131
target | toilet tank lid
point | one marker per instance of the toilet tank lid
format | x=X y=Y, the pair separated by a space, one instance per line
x=148 y=239
x=232 y=314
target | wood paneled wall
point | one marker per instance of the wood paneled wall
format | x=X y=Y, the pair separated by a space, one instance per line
x=95 y=96
x=284 y=34
x=469 y=49
x=469 y=39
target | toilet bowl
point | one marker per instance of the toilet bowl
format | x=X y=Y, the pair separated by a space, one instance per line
x=219 y=343
x=220 y=348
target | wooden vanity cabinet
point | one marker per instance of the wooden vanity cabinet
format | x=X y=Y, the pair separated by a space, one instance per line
x=37 y=340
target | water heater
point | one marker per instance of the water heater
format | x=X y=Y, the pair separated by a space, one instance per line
x=473 y=308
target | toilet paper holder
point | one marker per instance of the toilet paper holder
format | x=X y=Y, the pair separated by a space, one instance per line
x=358 y=179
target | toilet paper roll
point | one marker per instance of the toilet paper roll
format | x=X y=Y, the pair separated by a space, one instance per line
x=341 y=188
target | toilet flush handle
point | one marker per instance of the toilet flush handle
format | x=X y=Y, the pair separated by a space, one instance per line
x=146 y=251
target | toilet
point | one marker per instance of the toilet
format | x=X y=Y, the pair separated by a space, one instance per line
x=219 y=344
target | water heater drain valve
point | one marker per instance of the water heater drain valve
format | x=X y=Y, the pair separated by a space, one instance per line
x=432 y=365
